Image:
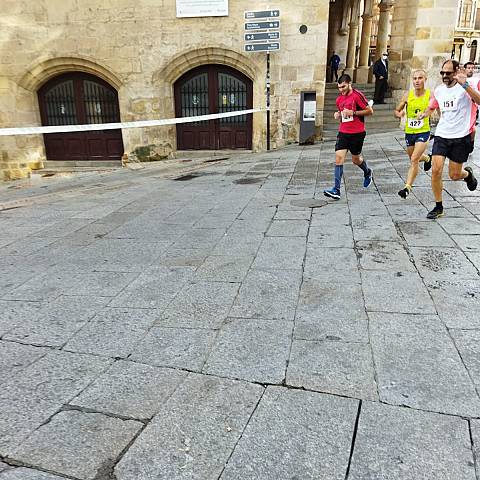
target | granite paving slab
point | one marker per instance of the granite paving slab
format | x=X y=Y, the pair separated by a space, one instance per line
x=121 y=255
x=457 y=301
x=295 y=434
x=474 y=257
x=201 y=238
x=56 y=377
x=335 y=236
x=15 y=357
x=320 y=264
x=13 y=313
x=333 y=367
x=251 y=349
x=368 y=227
x=21 y=415
x=475 y=429
x=468 y=345
x=175 y=347
x=77 y=444
x=224 y=268
x=404 y=444
x=379 y=255
x=430 y=364
x=440 y=263
x=23 y=473
x=331 y=311
x=467 y=243
x=199 y=426
x=280 y=253
x=54 y=323
x=113 y=332
x=200 y=305
x=424 y=234
x=155 y=288
x=239 y=243
x=288 y=228
x=129 y=389
x=402 y=292
x=460 y=226
x=303 y=214
x=268 y=294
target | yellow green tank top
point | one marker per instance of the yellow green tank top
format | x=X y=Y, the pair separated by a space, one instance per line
x=415 y=105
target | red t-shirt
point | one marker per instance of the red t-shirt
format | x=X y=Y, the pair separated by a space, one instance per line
x=355 y=100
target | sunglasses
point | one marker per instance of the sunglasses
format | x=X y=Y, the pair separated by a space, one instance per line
x=446 y=73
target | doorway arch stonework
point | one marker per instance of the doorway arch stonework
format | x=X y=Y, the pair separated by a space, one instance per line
x=164 y=80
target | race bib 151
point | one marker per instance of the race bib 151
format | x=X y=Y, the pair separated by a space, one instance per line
x=449 y=105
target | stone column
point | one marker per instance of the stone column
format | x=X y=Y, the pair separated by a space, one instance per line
x=363 y=67
x=352 y=44
x=383 y=26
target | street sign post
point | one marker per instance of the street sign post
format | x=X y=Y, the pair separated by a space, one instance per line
x=262 y=14
x=263 y=36
x=252 y=37
x=262 y=47
x=262 y=25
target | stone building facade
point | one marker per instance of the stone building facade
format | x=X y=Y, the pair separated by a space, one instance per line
x=139 y=58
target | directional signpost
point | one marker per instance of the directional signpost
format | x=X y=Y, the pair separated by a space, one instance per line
x=263 y=35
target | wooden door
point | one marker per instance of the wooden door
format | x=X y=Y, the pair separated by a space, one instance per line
x=75 y=99
x=214 y=89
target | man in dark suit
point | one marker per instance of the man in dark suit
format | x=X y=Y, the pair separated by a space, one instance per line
x=380 y=70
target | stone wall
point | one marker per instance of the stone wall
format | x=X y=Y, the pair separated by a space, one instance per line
x=141 y=48
x=422 y=37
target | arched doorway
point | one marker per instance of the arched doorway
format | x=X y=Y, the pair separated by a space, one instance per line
x=214 y=89
x=80 y=98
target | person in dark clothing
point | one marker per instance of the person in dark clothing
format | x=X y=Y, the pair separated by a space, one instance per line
x=334 y=62
x=380 y=70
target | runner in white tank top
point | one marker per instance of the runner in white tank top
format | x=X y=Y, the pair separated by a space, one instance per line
x=454 y=99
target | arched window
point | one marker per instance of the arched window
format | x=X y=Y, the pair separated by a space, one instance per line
x=473 y=51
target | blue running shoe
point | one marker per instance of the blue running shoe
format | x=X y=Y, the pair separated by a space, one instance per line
x=367 y=180
x=332 y=193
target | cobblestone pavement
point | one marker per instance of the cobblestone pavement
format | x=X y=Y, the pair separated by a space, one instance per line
x=212 y=328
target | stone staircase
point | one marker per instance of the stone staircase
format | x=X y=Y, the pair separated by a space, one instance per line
x=381 y=121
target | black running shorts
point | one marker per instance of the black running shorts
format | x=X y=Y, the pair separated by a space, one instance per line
x=353 y=142
x=455 y=149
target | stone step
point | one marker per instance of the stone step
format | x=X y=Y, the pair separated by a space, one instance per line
x=50 y=171
x=208 y=154
x=82 y=163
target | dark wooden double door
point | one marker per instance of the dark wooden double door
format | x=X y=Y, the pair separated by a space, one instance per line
x=214 y=89
x=74 y=99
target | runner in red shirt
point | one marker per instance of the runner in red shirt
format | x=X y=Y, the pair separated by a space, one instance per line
x=352 y=108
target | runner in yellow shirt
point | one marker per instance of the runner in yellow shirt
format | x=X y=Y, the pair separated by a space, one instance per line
x=417 y=127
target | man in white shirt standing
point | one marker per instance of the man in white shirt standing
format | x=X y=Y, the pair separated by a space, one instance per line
x=456 y=100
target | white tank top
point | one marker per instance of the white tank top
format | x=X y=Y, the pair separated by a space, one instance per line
x=458 y=111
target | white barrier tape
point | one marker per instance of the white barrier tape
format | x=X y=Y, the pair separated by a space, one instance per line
x=113 y=126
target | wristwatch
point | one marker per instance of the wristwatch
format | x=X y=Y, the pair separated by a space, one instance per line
x=465 y=85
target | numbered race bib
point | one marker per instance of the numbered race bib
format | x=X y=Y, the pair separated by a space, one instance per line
x=415 y=123
x=449 y=105
x=346 y=118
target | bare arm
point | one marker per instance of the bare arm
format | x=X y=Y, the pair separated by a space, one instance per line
x=399 y=112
